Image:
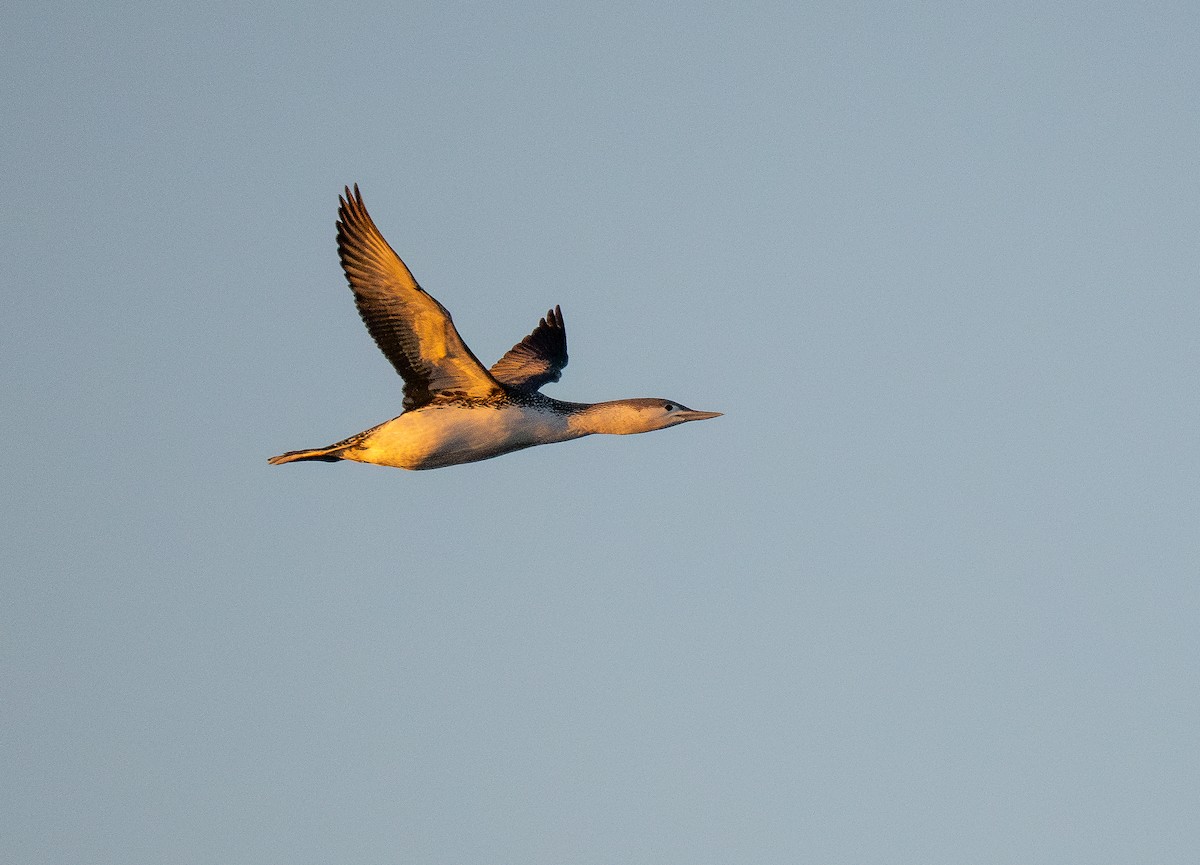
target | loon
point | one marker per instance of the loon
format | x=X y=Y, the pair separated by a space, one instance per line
x=455 y=410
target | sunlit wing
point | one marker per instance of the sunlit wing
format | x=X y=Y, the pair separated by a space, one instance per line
x=537 y=359
x=411 y=328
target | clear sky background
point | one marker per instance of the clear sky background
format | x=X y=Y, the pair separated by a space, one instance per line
x=926 y=594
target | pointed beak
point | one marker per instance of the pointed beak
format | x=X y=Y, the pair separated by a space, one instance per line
x=698 y=415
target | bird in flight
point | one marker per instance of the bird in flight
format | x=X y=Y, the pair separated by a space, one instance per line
x=455 y=410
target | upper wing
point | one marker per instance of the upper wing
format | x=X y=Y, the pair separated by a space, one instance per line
x=410 y=327
x=538 y=358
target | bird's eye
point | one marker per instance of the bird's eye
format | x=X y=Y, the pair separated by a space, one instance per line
x=669 y=406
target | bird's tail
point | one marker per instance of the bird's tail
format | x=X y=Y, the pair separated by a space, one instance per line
x=330 y=454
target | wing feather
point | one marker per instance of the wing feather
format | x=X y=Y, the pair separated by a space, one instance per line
x=413 y=330
x=538 y=359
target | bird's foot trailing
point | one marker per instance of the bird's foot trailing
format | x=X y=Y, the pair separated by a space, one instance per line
x=322 y=455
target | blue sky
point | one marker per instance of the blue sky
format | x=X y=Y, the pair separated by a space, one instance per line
x=927 y=593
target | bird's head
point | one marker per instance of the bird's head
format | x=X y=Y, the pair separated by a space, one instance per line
x=628 y=416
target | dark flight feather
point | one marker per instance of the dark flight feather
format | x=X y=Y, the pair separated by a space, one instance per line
x=536 y=360
x=411 y=328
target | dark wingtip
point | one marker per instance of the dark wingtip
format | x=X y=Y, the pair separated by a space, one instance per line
x=349 y=199
x=351 y=211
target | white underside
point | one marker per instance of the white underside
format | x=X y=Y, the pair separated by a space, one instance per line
x=437 y=436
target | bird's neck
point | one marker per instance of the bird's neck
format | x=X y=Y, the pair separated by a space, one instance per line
x=616 y=417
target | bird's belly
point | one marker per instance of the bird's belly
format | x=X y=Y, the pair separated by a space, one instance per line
x=438 y=436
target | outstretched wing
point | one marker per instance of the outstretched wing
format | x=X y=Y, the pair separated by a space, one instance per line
x=537 y=359
x=411 y=328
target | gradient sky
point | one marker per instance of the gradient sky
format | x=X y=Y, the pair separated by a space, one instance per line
x=928 y=593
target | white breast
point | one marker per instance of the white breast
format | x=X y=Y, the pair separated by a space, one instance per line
x=437 y=436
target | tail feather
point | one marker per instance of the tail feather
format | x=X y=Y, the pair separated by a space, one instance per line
x=324 y=455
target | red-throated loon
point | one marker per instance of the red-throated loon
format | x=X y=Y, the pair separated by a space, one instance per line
x=455 y=411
